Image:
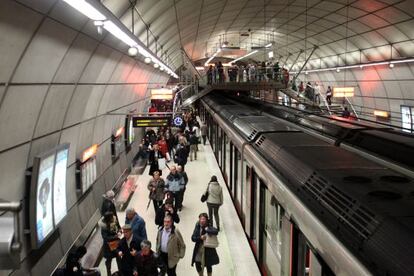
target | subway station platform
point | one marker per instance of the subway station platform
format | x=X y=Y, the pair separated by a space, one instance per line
x=236 y=257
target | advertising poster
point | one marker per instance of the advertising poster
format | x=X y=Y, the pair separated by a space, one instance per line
x=59 y=185
x=44 y=215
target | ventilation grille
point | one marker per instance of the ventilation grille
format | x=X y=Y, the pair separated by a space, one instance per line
x=346 y=209
x=251 y=136
x=261 y=140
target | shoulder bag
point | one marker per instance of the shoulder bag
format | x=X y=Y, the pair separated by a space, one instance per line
x=211 y=241
x=204 y=196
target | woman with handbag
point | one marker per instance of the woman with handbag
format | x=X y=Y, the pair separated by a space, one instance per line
x=214 y=200
x=110 y=234
x=204 y=253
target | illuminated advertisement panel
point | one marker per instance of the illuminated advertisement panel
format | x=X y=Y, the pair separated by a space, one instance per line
x=44 y=215
x=59 y=185
x=48 y=193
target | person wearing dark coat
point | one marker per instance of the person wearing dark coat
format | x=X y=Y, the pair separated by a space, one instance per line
x=73 y=266
x=154 y=155
x=127 y=250
x=145 y=260
x=203 y=256
x=137 y=224
x=108 y=205
x=166 y=209
x=181 y=155
x=109 y=231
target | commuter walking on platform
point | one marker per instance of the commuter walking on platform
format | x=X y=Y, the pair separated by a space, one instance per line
x=127 y=250
x=154 y=159
x=145 y=260
x=156 y=186
x=317 y=94
x=204 y=254
x=193 y=146
x=110 y=234
x=137 y=225
x=175 y=182
x=170 y=247
x=203 y=129
x=182 y=151
x=214 y=200
x=108 y=205
x=183 y=188
x=167 y=209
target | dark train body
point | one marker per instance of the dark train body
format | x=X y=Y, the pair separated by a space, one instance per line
x=309 y=206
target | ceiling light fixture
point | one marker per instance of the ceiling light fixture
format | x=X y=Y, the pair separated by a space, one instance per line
x=268 y=45
x=105 y=18
x=133 y=51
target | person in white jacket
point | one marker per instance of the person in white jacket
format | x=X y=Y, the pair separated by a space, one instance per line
x=214 y=200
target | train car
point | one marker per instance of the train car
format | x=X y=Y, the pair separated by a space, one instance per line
x=307 y=206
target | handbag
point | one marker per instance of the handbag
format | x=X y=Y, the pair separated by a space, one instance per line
x=204 y=196
x=211 y=241
x=113 y=245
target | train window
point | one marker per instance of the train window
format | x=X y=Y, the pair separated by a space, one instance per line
x=223 y=160
x=308 y=263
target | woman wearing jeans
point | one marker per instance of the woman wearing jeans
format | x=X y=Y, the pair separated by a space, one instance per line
x=214 y=200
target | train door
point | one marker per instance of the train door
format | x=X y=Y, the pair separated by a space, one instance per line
x=224 y=155
x=230 y=168
x=236 y=168
x=272 y=234
x=254 y=213
x=245 y=190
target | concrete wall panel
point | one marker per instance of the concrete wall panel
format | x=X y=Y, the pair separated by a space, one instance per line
x=13 y=167
x=75 y=60
x=18 y=114
x=54 y=109
x=19 y=24
x=44 y=53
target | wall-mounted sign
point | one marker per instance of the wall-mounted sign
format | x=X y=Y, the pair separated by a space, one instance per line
x=178 y=121
x=117 y=144
x=87 y=168
x=343 y=92
x=151 y=121
x=161 y=94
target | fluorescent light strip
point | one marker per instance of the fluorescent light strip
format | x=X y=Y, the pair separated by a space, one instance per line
x=93 y=13
x=213 y=56
x=362 y=65
x=86 y=9
x=249 y=54
x=118 y=33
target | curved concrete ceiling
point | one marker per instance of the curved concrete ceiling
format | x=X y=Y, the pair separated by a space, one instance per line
x=336 y=26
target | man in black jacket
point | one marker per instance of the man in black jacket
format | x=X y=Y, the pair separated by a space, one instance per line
x=127 y=250
x=166 y=209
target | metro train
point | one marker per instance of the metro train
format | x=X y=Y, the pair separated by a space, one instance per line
x=307 y=205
